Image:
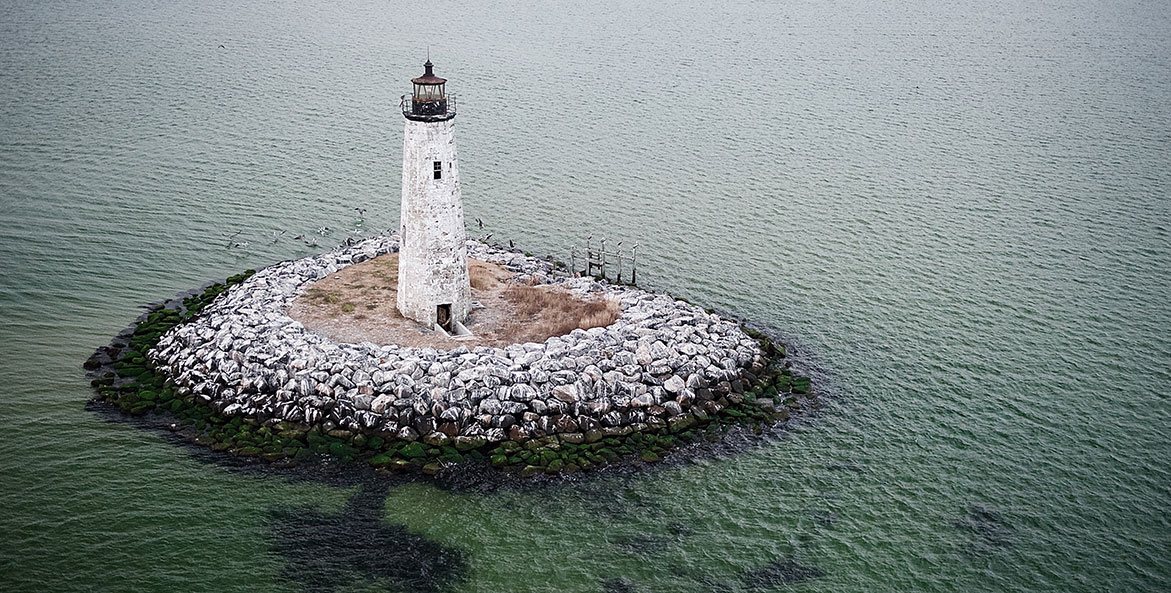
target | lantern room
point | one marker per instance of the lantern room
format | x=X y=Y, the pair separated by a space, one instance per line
x=429 y=101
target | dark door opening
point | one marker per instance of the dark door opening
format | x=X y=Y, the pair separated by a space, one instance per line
x=443 y=317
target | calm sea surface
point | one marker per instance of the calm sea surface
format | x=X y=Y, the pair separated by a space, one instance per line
x=961 y=210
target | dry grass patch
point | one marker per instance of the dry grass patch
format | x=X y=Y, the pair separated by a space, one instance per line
x=359 y=303
x=483 y=275
x=554 y=312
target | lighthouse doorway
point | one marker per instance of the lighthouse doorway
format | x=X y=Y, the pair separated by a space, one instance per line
x=443 y=317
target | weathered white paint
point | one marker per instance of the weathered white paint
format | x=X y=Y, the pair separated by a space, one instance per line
x=433 y=258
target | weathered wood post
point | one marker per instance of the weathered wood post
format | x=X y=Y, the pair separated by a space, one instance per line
x=634 y=264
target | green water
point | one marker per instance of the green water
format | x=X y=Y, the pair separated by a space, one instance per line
x=959 y=211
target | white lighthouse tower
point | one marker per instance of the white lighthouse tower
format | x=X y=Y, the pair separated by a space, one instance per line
x=433 y=286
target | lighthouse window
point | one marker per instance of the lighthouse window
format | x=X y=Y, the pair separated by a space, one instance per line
x=438 y=169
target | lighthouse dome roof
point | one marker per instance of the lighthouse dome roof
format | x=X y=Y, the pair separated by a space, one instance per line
x=428 y=76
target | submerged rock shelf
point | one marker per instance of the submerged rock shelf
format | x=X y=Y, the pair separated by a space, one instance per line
x=241 y=376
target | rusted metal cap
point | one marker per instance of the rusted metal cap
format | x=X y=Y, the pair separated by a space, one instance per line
x=428 y=77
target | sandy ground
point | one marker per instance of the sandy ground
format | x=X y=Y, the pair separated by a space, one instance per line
x=357 y=304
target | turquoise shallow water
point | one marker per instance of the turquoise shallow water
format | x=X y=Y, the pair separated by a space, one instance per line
x=959 y=209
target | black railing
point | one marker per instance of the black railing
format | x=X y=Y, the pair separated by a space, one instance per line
x=428 y=110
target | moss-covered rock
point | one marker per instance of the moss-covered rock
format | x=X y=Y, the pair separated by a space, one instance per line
x=414 y=450
x=802 y=384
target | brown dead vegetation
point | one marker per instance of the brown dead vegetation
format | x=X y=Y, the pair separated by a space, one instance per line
x=359 y=304
x=485 y=276
x=552 y=312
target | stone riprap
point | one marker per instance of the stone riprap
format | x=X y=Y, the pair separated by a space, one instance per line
x=663 y=366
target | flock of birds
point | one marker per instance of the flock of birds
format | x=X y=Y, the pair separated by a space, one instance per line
x=310 y=239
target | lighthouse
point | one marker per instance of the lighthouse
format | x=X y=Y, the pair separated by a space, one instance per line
x=433 y=285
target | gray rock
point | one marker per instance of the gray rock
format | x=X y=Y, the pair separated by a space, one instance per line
x=566 y=393
x=674 y=384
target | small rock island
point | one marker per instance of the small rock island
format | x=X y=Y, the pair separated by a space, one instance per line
x=424 y=350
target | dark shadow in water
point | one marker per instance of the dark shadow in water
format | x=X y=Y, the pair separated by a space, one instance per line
x=323 y=551
x=643 y=544
x=658 y=550
x=778 y=573
x=770 y=577
x=619 y=585
x=987 y=528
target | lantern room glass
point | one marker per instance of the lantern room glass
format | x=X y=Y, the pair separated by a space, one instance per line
x=429 y=92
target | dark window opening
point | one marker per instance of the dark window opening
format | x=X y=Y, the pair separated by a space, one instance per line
x=439 y=169
x=443 y=317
